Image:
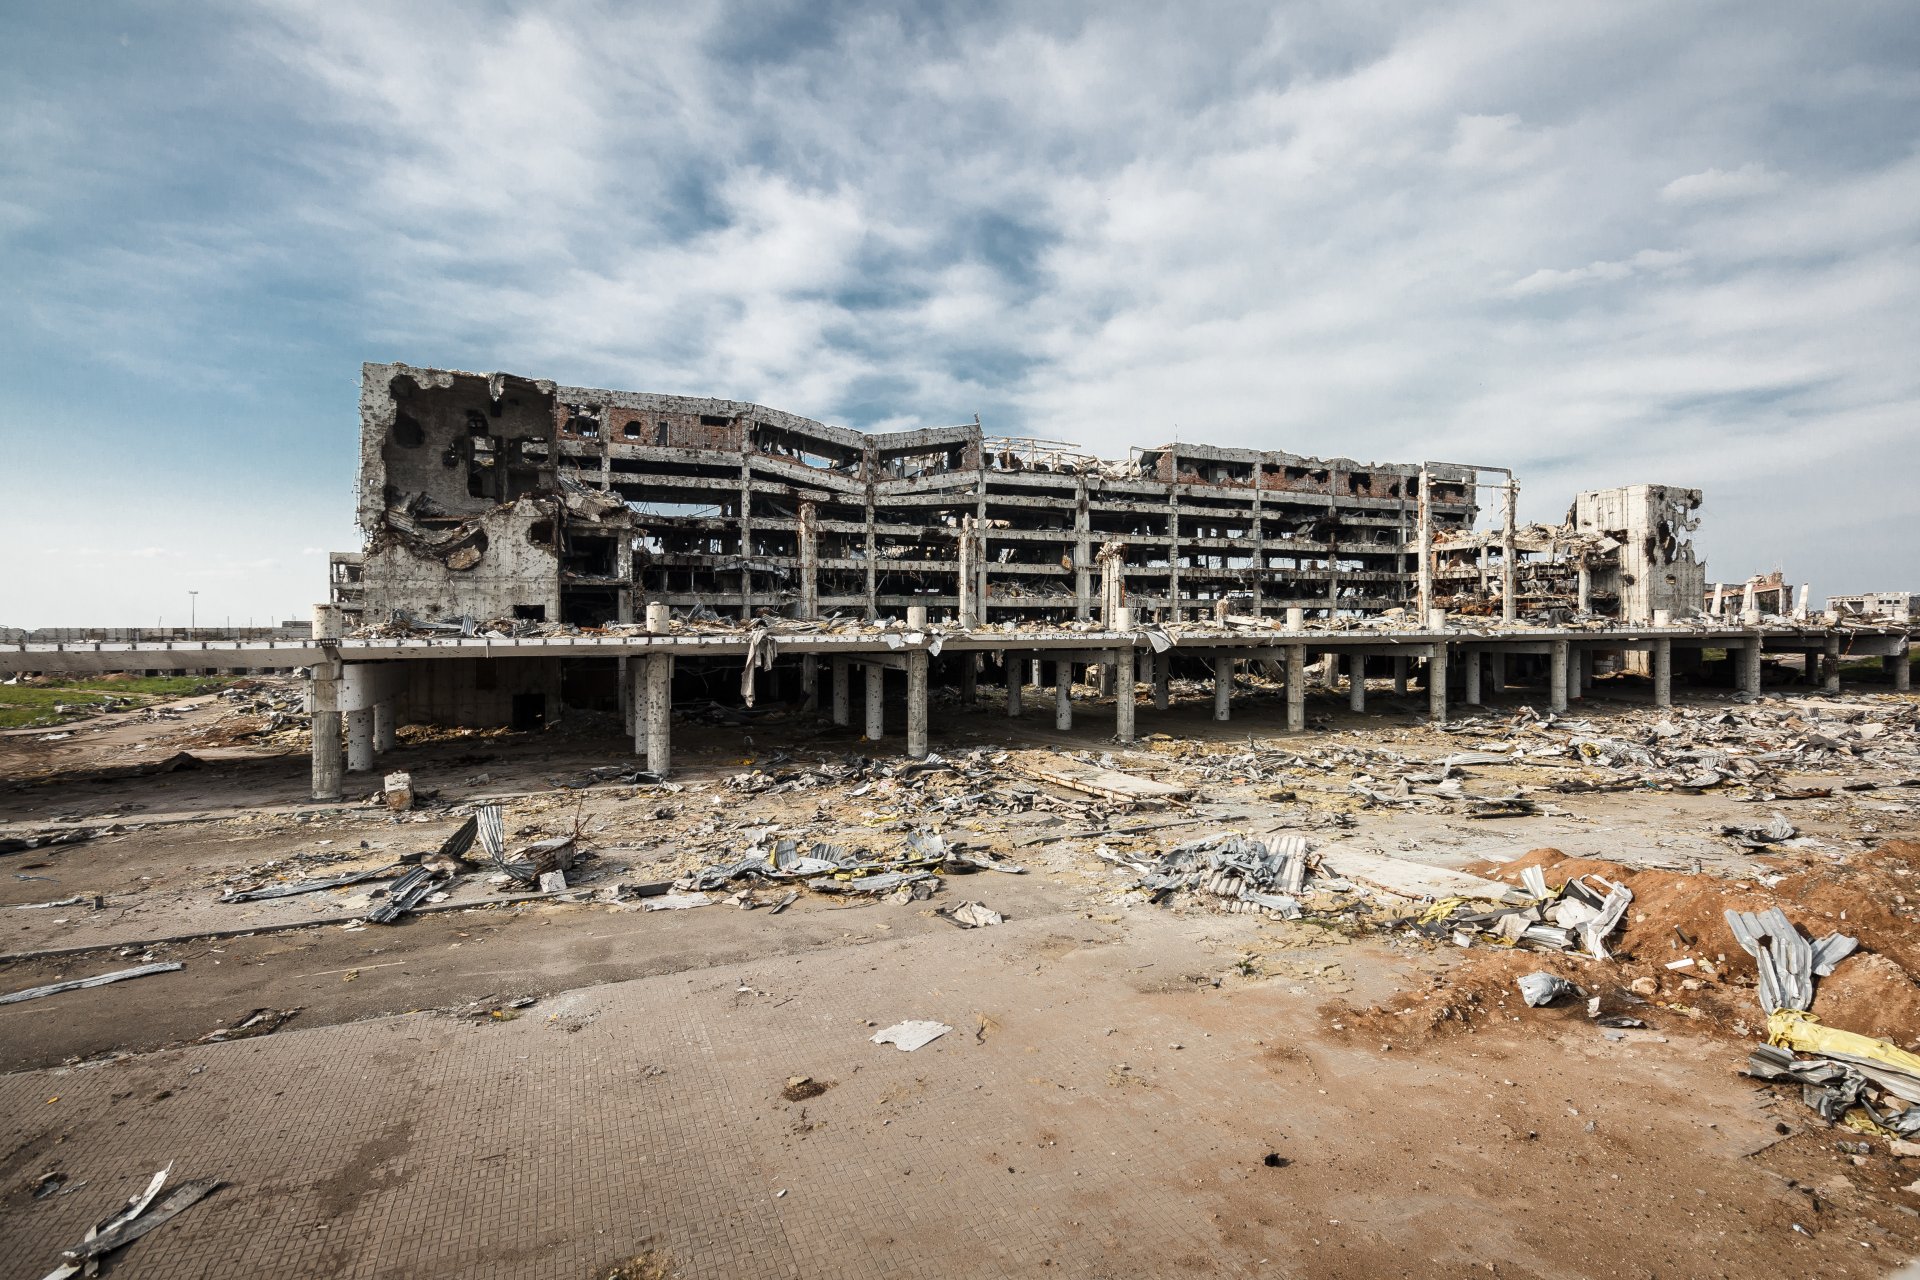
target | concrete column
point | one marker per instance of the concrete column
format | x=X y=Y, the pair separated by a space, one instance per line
x=1472 y=658
x=1902 y=669
x=637 y=702
x=969 y=678
x=360 y=740
x=1749 y=666
x=1330 y=670
x=876 y=701
x=842 y=694
x=1357 y=682
x=1162 y=679
x=1509 y=604
x=1400 y=676
x=327 y=758
x=659 y=710
x=1016 y=667
x=1062 y=695
x=810 y=681
x=917 y=704
x=1499 y=671
x=1296 y=688
x=1663 y=673
x=1123 y=704
x=1437 y=685
x=383 y=727
x=1585 y=668
x=1557 y=676
x=917 y=661
x=1296 y=617
x=1222 y=684
x=1830 y=666
x=1036 y=681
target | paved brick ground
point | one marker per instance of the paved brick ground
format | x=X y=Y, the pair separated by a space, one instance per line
x=649 y=1113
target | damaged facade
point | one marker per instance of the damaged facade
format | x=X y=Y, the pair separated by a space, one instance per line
x=497 y=497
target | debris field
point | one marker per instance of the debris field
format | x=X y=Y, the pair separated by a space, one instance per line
x=1386 y=997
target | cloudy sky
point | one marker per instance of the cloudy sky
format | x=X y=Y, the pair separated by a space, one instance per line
x=1599 y=243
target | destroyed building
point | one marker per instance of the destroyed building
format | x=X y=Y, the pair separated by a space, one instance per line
x=1895 y=606
x=492 y=501
x=492 y=496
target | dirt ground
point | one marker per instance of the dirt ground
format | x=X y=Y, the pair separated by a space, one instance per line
x=1128 y=1088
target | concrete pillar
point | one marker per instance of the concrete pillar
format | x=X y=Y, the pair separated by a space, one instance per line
x=1585 y=667
x=1830 y=667
x=876 y=701
x=917 y=704
x=1296 y=617
x=810 y=681
x=383 y=727
x=1162 y=680
x=842 y=694
x=1499 y=672
x=1749 y=667
x=659 y=710
x=1296 y=688
x=1400 y=676
x=1062 y=694
x=1509 y=567
x=969 y=678
x=1330 y=670
x=1557 y=676
x=1123 y=703
x=1472 y=658
x=1036 y=681
x=1222 y=684
x=637 y=703
x=1663 y=673
x=360 y=740
x=1437 y=685
x=1016 y=667
x=1583 y=602
x=1357 y=682
x=327 y=758
x=917 y=661
x=1902 y=665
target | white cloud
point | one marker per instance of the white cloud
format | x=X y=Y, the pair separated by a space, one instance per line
x=1549 y=280
x=1750 y=179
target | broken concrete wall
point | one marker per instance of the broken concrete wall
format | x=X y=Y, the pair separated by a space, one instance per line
x=1655 y=567
x=501 y=563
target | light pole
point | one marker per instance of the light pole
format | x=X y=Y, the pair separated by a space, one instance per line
x=192 y=606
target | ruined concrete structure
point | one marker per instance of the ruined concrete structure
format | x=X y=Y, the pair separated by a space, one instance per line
x=489 y=496
x=1894 y=606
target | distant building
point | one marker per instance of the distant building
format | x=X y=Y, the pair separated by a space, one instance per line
x=1901 y=606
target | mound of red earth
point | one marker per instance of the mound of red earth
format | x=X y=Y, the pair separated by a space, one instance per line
x=1680 y=919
